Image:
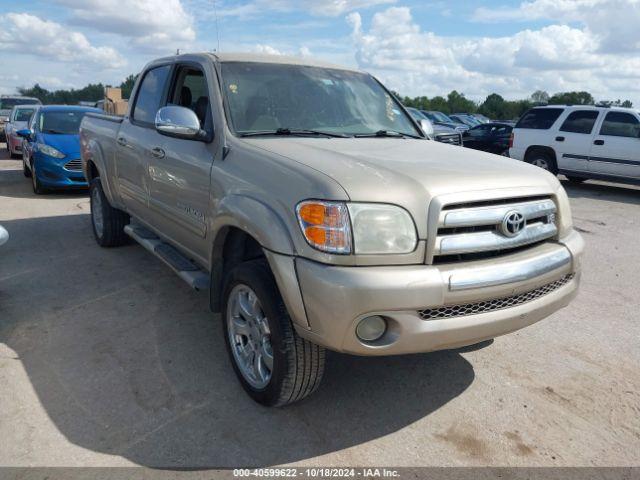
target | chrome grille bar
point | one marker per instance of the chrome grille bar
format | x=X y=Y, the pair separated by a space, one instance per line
x=490 y=240
x=493 y=215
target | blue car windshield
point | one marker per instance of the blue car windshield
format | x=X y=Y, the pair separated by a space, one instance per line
x=61 y=122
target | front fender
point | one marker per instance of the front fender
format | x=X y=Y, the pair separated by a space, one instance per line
x=257 y=219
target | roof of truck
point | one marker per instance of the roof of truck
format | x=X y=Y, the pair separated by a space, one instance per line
x=262 y=58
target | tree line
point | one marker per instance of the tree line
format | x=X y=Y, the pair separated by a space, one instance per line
x=497 y=108
x=494 y=106
x=91 y=93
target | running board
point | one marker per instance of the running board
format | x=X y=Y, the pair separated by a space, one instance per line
x=185 y=268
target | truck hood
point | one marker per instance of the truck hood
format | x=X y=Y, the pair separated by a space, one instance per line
x=403 y=171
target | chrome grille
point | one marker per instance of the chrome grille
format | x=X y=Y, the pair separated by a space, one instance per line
x=451 y=138
x=472 y=231
x=451 y=311
x=74 y=165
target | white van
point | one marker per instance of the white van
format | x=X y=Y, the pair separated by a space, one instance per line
x=581 y=142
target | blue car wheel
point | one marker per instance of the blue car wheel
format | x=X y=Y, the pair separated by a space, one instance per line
x=38 y=189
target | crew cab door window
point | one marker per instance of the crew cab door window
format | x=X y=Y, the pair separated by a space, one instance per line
x=190 y=90
x=150 y=95
x=539 y=118
x=580 y=121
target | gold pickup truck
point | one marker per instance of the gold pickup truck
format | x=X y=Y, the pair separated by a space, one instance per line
x=318 y=214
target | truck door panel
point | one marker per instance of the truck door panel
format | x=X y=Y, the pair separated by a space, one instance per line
x=616 y=149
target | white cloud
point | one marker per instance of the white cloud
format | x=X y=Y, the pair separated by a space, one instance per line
x=27 y=34
x=267 y=49
x=331 y=8
x=613 y=23
x=152 y=24
x=553 y=58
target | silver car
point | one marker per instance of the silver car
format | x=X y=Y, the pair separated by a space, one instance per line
x=18 y=120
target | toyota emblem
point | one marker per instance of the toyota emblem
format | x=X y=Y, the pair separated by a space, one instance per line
x=513 y=223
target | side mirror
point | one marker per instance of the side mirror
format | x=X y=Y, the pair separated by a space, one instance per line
x=25 y=133
x=427 y=128
x=179 y=122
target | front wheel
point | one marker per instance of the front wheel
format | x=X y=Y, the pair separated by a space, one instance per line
x=275 y=366
x=38 y=189
x=108 y=222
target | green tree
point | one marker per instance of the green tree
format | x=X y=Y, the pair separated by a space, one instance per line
x=572 y=98
x=459 y=103
x=540 y=97
x=130 y=81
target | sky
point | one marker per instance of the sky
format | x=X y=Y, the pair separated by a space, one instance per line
x=509 y=47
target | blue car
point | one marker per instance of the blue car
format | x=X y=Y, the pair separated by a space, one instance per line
x=51 y=148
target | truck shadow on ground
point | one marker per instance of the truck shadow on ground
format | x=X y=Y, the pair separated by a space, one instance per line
x=126 y=360
x=618 y=193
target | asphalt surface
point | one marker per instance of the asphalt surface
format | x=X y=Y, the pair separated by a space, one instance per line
x=108 y=359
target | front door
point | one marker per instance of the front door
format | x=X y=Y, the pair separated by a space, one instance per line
x=134 y=137
x=572 y=142
x=616 y=149
x=180 y=170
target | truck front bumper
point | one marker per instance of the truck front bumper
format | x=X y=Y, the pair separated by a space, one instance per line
x=429 y=307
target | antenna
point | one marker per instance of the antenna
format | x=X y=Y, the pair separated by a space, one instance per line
x=215 y=12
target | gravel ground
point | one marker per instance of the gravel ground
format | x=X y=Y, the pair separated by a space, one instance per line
x=108 y=359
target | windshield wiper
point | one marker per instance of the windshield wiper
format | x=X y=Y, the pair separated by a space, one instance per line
x=387 y=133
x=292 y=131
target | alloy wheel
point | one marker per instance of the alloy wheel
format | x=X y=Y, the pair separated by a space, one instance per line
x=96 y=212
x=249 y=336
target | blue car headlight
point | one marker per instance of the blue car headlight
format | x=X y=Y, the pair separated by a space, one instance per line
x=50 y=151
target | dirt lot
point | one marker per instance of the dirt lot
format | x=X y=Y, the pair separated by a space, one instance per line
x=107 y=358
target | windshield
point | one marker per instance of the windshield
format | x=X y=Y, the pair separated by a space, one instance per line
x=61 y=122
x=267 y=97
x=9 y=103
x=23 y=114
x=441 y=117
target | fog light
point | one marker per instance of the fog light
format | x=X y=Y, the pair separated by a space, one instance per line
x=371 y=328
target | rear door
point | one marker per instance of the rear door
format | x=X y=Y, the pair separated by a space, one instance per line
x=180 y=171
x=616 y=147
x=137 y=133
x=572 y=141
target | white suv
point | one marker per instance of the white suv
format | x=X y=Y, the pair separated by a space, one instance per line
x=580 y=142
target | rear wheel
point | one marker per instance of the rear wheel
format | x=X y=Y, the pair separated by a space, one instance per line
x=108 y=223
x=542 y=160
x=275 y=366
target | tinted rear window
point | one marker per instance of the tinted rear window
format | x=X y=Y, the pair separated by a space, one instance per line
x=539 y=118
x=580 y=121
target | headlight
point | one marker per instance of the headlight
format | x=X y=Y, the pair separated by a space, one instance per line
x=325 y=225
x=382 y=229
x=48 y=150
x=377 y=228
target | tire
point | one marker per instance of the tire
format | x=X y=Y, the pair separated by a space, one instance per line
x=25 y=170
x=297 y=365
x=107 y=222
x=38 y=189
x=543 y=160
x=573 y=179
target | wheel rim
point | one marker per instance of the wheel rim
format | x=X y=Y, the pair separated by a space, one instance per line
x=34 y=177
x=249 y=336
x=96 y=212
x=542 y=163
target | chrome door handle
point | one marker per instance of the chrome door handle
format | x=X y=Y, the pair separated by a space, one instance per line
x=122 y=141
x=157 y=152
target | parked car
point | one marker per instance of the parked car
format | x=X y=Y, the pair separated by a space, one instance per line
x=465 y=119
x=481 y=118
x=4 y=235
x=310 y=205
x=581 y=142
x=489 y=137
x=51 y=148
x=18 y=120
x=439 y=118
x=7 y=102
x=441 y=133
